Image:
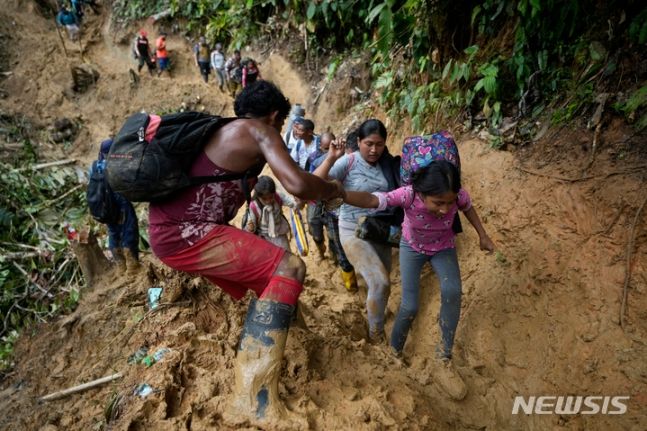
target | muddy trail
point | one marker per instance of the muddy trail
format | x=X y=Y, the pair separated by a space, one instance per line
x=541 y=317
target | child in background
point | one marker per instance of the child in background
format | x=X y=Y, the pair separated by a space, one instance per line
x=430 y=204
x=265 y=217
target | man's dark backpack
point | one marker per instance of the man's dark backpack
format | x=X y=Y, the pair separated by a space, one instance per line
x=101 y=200
x=151 y=156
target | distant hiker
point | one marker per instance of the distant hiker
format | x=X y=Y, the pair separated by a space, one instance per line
x=265 y=217
x=162 y=55
x=430 y=205
x=202 y=60
x=66 y=18
x=371 y=169
x=250 y=72
x=291 y=139
x=116 y=212
x=218 y=65
x=77 y=9
x=191 y=232
x=142 y=52
x=307 y=144
x=234 y=73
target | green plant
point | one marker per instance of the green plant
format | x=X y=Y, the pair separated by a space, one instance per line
x=38 y=273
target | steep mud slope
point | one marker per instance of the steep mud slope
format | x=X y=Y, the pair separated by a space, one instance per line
x=539 y=318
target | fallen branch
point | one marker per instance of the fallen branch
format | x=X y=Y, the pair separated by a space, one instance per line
x=45 y=165
x=61 y=197
x=320 y=93
x=19 y=255
x=630 y=246
x=590 y=177
x=80 y=388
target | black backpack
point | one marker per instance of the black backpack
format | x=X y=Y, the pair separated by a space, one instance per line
x=152 y=170
x=101 y=200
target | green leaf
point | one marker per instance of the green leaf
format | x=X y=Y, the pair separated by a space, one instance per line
x=489 y=83
x=471 y=50
x=312 y=9
x=447 y=68
x=475 y=12
x=374 y=13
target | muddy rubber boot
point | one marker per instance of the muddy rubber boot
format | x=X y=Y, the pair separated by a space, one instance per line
x=258 y=366
x=350 y=280
x=120 y=260
x=132 y=264
x=448 y=379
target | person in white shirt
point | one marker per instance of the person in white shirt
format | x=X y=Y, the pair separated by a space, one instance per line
x=290 y=138
x=218 y=65
x=307 y=144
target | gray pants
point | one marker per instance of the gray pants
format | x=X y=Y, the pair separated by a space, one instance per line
x=373 y=262
x=445 y=265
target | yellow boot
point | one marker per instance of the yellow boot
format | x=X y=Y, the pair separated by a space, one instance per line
x=350 y=281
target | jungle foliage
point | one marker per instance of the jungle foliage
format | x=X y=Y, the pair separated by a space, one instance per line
x=39 y=274
x=490 y=58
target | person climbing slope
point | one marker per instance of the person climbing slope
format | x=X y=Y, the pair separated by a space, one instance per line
x=430 y=205
x=370 y=169
x=191 y=233
x=265 y=216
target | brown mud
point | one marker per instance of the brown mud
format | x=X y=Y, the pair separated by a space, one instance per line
x=541 y=317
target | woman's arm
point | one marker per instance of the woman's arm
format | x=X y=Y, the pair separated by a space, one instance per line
x=361 y=199
x=485 y=241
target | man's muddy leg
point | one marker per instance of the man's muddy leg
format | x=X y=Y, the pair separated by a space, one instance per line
x=262 y=343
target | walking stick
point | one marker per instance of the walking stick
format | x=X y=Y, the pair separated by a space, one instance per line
x=58 y=30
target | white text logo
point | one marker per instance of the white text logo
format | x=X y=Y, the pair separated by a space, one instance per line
x=570 y=405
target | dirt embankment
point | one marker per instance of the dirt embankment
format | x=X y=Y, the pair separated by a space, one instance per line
x=540 y=318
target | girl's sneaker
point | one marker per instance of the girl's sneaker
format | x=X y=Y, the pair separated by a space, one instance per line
x=448 y=379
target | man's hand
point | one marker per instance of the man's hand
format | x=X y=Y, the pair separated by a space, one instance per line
x=337 y=148
x=340 y=192
x=299 y=203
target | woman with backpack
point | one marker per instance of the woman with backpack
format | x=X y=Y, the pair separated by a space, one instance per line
x=250 y=72
x=370 y=169
x=265 y=215
x=430 y=204
x=203 y=57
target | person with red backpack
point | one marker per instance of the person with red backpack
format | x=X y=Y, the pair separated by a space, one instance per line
x=431 y=197
x=265 y=217
x=190 y=231
x=250 y=72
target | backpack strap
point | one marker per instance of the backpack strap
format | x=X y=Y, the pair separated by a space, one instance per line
x=351 y=160
x=253 y=206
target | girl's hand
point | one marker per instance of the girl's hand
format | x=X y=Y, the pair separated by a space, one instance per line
x=486 y=244
x=337 y=148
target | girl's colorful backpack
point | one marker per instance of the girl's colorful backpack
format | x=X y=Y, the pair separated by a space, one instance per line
x=419 y=151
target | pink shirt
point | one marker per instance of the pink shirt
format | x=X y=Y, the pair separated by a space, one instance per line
x=193 y=212
x=425 y=232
